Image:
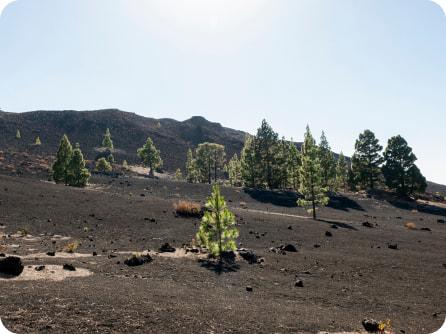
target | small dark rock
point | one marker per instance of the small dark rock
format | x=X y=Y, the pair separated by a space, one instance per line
x=69 y=267
x=370 y=325
x=427 y=229
x=11 y=265
x=111 y=256
x=95 y=254
x=290 y=227
x=367 y=224
x=441 y=221
x=328 y=234
x=39 y=268
x=299 y=283
x=393 y=246
x=334 y=226
x=2 y=255
x=138 y=260
x=51 y=253
x=248 y=255
x=249 y=288
x=289 y=248
x=166 y=248
x=317 y=246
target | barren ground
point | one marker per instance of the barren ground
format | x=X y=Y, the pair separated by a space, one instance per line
x=352 y=275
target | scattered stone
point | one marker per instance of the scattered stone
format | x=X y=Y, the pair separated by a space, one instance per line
x=39 y=268
x=111 y=256
x=441 y=221
x=299 y=283
x=317 y=246
x=2 y=255
x=334 y=226
x=289 y=248
x=11 y=265
x=427 y=229
x=51 y=253
x=166 y=248
x=393 y=246
x=248 y=255
x=328 y=234
x=370 y=325
x=69 y=267
x=136 y=260
x=249 y=288
x=367 y=224
x=95 y=254
x=290 y=227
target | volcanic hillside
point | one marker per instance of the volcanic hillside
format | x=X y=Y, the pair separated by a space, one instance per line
x=129 y=132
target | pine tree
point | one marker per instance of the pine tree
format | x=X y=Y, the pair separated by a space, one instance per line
x=37 y=142
x=107 y=141
x=18 y=134
x=103 y=166
x=266 y=152
x=234 y=169
x=293 y=164
x=111 y=158
x=150 y=156
x=191 y=168
x=209 y=159
x=366 y=164
x=314 y=194
x=400 y=172
x=63 y=158
x=217 y=231
x=341 y=172
x=249 y=162
x=178 y=175
x=328 y=164
x=125 y=165
x=77 y=174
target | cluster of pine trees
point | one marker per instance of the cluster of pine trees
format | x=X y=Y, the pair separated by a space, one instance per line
x=69 y=167
x=267 y=161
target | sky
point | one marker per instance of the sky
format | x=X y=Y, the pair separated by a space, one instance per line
x=341 y=66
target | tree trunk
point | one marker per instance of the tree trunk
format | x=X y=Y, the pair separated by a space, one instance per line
x=151 y=173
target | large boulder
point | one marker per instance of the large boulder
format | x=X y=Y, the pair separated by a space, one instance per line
x=11 y=266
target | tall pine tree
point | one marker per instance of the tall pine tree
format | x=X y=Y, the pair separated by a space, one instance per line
x=311 y=177
x=77 y=174
x=150 y=156
x=249 y=162
x=63 y=157
x=341 y=172
x=107 y=141
x=328 y=163
x=367 y=159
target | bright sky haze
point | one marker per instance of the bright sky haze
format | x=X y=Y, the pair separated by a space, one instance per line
x=342 y=66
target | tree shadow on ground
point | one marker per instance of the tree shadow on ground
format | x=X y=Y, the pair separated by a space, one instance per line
x=340 y=202
x=278 y=198
x=220 y=267
x=338 y=224
x=407 y=203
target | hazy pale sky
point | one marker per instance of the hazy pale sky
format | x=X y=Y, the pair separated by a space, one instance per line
x=340 y=65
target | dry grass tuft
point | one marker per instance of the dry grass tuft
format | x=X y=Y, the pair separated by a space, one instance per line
x=71 y=247
x=188 y=209
x=410 y=226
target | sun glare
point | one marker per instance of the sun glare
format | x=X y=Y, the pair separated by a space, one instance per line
x=203 y=20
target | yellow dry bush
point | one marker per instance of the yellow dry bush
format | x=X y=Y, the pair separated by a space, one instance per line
x=188 y=208
x=71 y=247
x=410 y=226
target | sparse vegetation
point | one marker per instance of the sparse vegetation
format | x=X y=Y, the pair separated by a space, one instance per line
x=217 y=231
x=178 y=175
x=410 y=226
x=209 y=159
x=37 y=142
x=125 y=165
x=77 y=174
x=18 y=135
